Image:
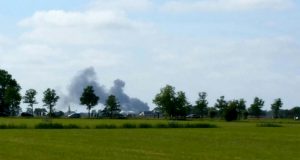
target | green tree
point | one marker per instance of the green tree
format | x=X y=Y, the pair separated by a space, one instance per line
x=182 y=105
x=165 y=100
x=50 y=99
x=201 y=107
x=231 y=110
x=295 y=112
x=30 y=98
x=172 y=104
x=241 y=109
x=212 y=112
x=89 y=98
x=255 y=107
x=13 y=98
x=9 y=93
x=112 y=106
x=221 y=105
x=277 y=104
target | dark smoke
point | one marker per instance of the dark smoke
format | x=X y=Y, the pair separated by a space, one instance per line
x=89 y=77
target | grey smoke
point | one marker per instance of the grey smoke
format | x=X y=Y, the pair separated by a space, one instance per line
x=89 y=77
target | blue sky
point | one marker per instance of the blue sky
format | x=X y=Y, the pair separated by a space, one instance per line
x=236 y=48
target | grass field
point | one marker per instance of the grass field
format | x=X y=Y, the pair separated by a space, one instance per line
x=230 y=141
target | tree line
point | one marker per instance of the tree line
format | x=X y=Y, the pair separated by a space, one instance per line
x=170 y=104
x=174 y=105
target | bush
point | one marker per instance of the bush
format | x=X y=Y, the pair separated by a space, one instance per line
x=161 y=125
x=174 y=124
x=12 y=126
x=49 y=126
x=129 y=125
x=268 y=125
x=106 y=126
x=145 y=125
x=200 y=125
x=71 y=126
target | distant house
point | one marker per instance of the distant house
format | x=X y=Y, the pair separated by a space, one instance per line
x=147 y=114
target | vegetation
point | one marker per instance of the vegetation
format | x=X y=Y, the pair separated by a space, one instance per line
x=255 y=108
x=171 y=104
x=30 y=98
x=276 y=107
x=89 y=98
x=9 y=95
x=112 y=107
x=50 y=99
x=201 y=107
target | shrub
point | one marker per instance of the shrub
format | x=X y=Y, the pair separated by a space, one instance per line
x=106 y=126
x=71 y=126
x=200 y=125
x=12 y=126
x=129 y=125
x=161 y=125
x=145 y=125
x=268 y=125
x=174 y=124
x=49 y=126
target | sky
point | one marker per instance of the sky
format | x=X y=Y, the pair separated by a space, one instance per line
x=235 y=48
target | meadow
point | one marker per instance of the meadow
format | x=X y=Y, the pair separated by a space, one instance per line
x=251 y=140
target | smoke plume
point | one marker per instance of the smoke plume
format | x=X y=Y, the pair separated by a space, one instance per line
x=89 y=77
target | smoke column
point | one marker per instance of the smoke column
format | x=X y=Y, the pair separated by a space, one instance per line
x=89 y=77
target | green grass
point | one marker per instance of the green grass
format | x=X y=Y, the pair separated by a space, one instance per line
x=230 y=141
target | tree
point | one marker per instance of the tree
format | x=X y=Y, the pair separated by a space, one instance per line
x=165 y=100
x=255 y=108
x=172 y=104
x=212 y=112
x=231 y=110
x=13 y=98
x=276 y=107
x=9 y=94
x=295 y=112
x=182 y=105
x=30 y=98
x=241 y=109
x=40 y=111
x=201 y=105
x=50 y=99
x=89 y=98
x=112 y=106
x=221 y=105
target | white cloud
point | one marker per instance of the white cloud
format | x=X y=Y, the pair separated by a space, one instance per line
x=226 y=5
x=124 y=5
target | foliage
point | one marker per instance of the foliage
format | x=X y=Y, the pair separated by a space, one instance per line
x=112 y=107
x=9 y=94
x=201 y=107
x=275 y=106
x=268 y=125
x=212 y=112
x=30 y=98
x=295 y=112
x=50 y=99
x=40 y=111
x=255 y=107
x=171 y=104
x=13 y=98
x=89 y=98
x=230 y=112
x=221 y=105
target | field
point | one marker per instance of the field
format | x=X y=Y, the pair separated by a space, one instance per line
x=229 y=141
